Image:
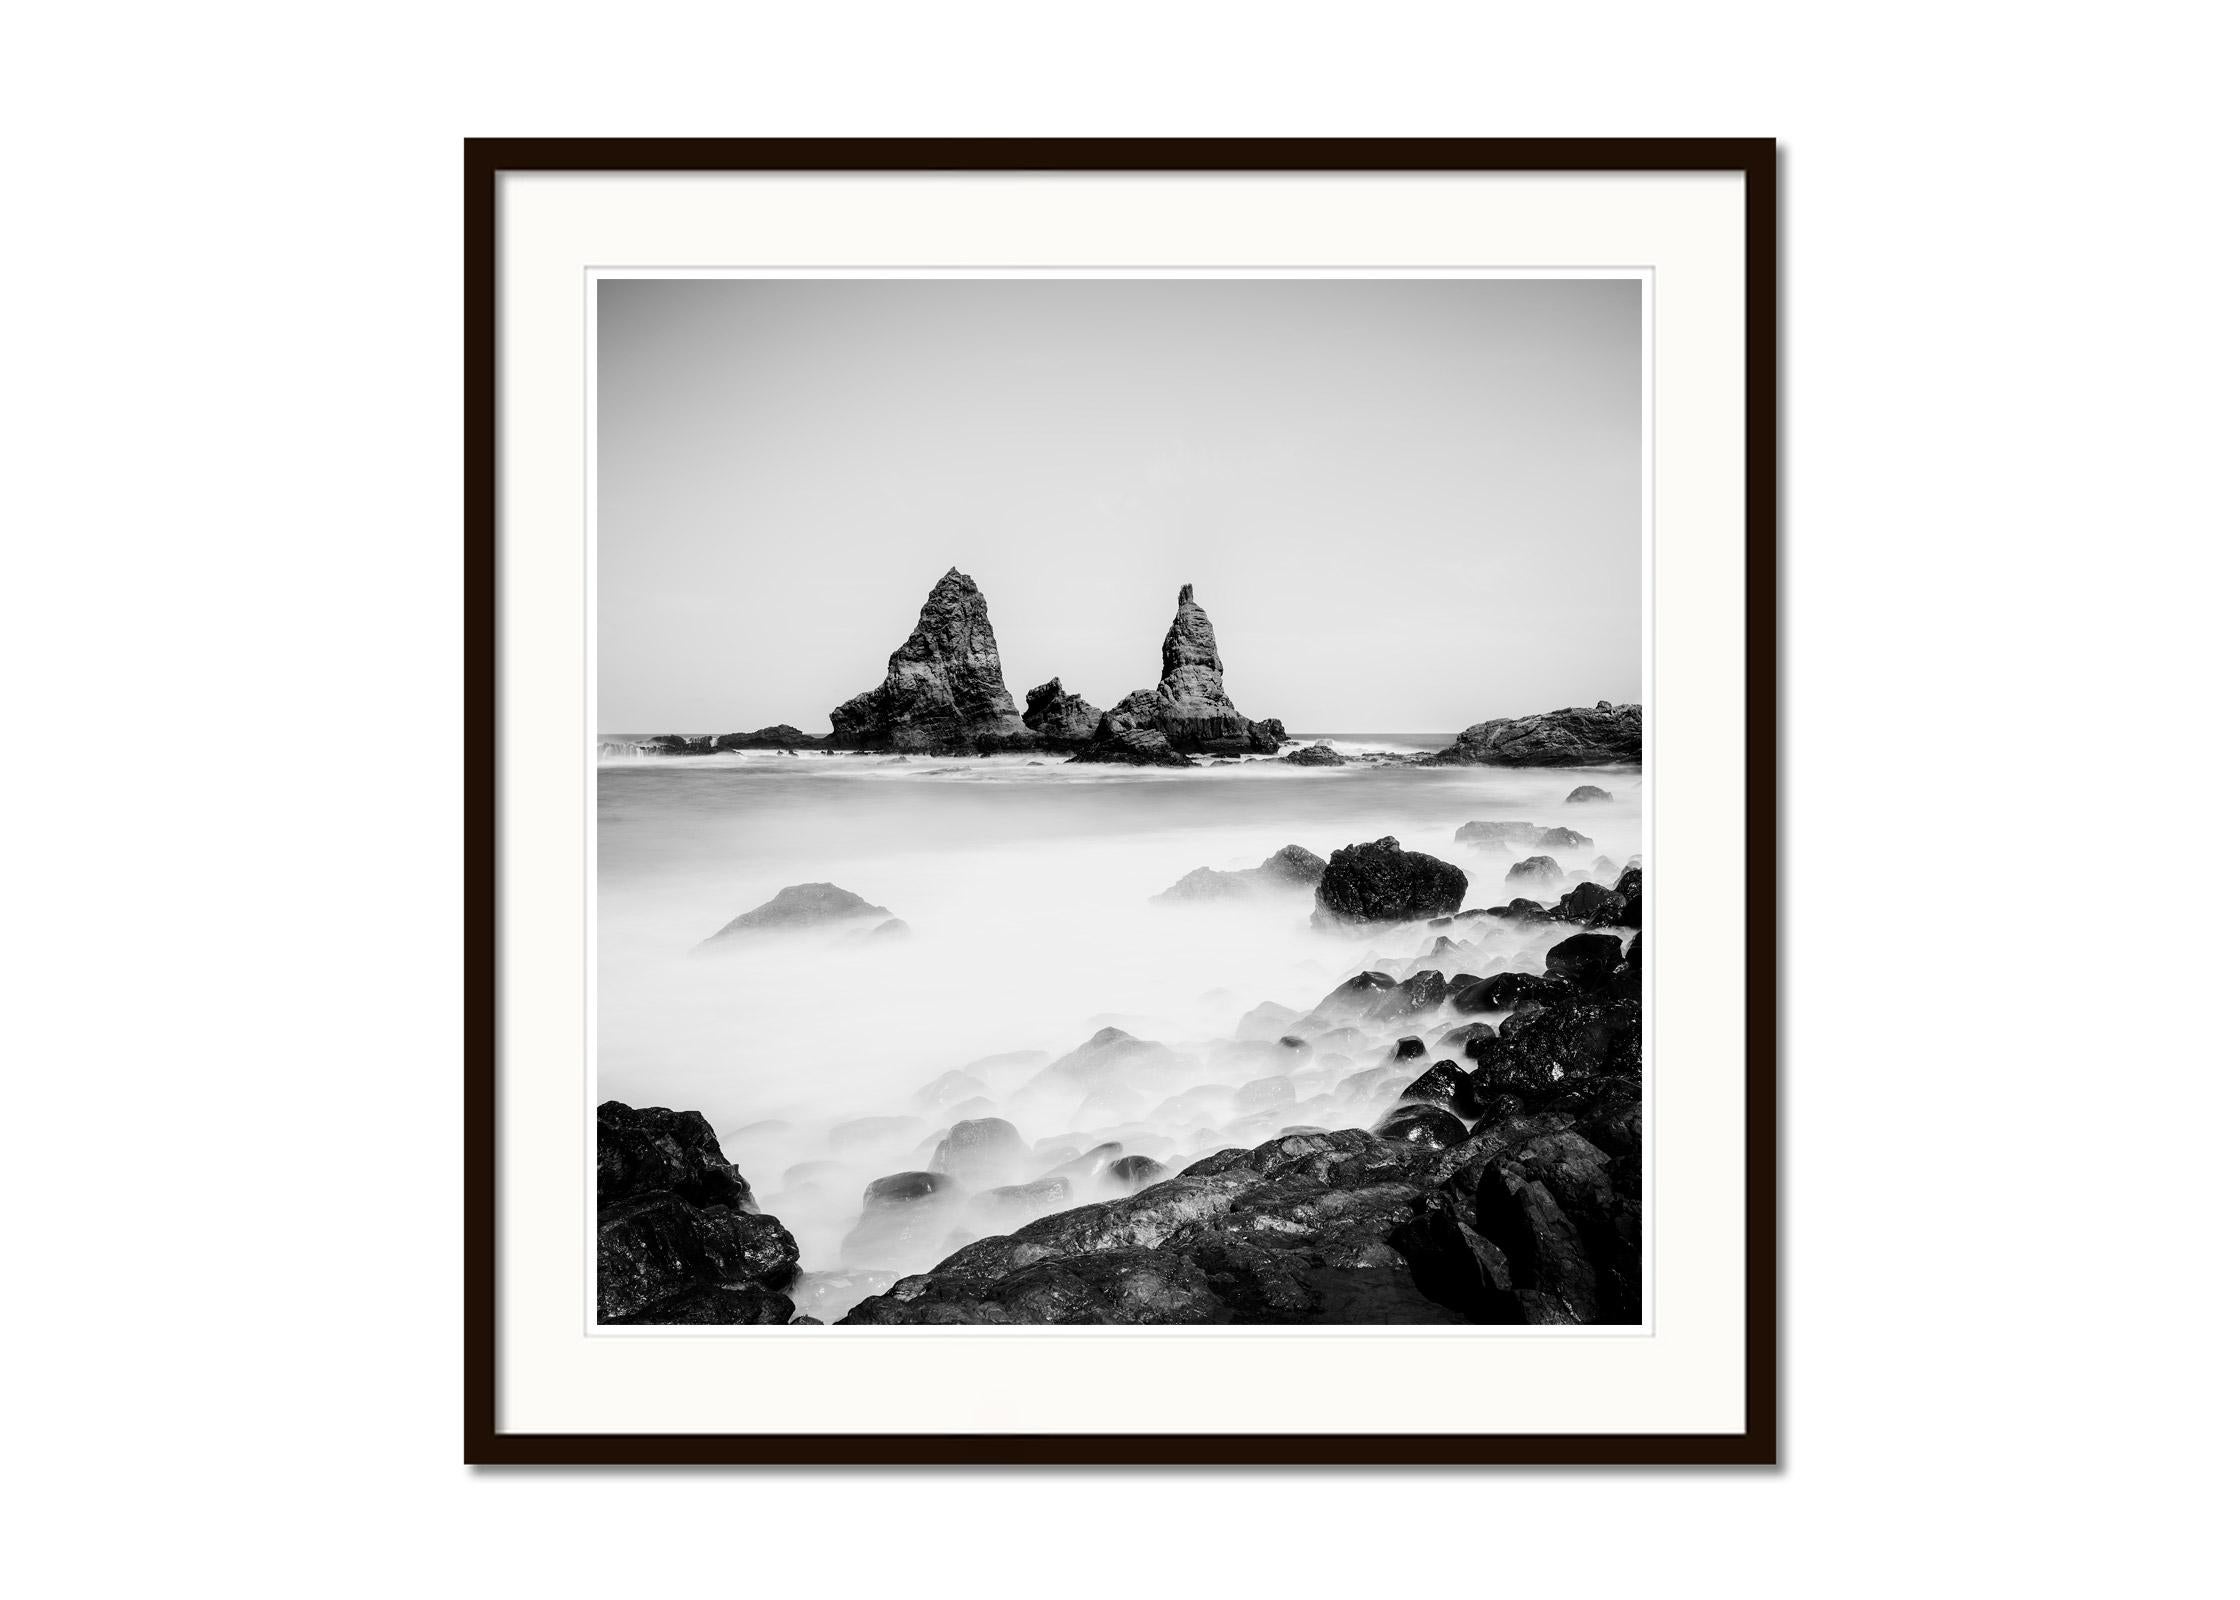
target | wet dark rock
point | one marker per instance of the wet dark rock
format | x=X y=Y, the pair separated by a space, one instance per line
x=1585 y=793
x=1461 y=1039
x=1586 y=959
x=1536 y=872
x=1408 y=1049
x=1060 y=720
x=1314 y=755
x=1446 y=1086
x=746 y=1306
x=659 y=1248
x=799 y=906
x=1603 y=735
x=1564 y=1055
x=676 y=1223
x=1411 y=996
x=1623 y=907
x=1292 y=867
x=1507 y=991
x=658 y=1151
x=1427 y=1125
x=1523 y=910
x=944 y=691
x=1381 y=882
x=1581 y=902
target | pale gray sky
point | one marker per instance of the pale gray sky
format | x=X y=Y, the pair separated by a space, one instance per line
x=1408 y=505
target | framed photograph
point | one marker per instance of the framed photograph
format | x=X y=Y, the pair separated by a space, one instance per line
x=1129 y=801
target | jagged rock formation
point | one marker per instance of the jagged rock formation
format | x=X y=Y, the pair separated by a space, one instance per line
x=680 y=1240
x=944 y=690
x=1190 y=708
x=805 y=905
x=1059 y=720
x=1315 y=755
x=1603 y=735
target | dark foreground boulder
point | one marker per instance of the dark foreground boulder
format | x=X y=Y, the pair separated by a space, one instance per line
x=1621 y=908
x=677 y=1239
x=1586 y=959
x=1424 y=1124
x=1381 y=882
x=801 y=906
x=659 y=1151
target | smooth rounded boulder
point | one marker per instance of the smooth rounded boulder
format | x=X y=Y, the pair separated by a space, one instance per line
x=1380 y=882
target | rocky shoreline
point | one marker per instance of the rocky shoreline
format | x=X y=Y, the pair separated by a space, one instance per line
x=1453 y=1137
x=944 y=695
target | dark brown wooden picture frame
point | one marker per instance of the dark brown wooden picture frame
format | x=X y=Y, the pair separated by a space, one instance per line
x=487 y=163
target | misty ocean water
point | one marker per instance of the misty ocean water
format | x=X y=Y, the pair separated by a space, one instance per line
x=1027 y=887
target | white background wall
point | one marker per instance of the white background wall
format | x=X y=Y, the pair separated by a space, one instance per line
x=231 y=646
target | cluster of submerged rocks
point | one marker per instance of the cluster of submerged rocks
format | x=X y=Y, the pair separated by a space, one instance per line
x=1483 y=1167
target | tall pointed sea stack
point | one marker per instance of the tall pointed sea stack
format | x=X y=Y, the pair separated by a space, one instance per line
x=1191 y=707
x=944 y=688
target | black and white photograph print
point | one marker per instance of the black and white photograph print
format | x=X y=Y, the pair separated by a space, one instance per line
x=1120 y=801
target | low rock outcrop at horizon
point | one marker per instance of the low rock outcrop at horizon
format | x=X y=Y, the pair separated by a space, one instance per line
x=1601 y=735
